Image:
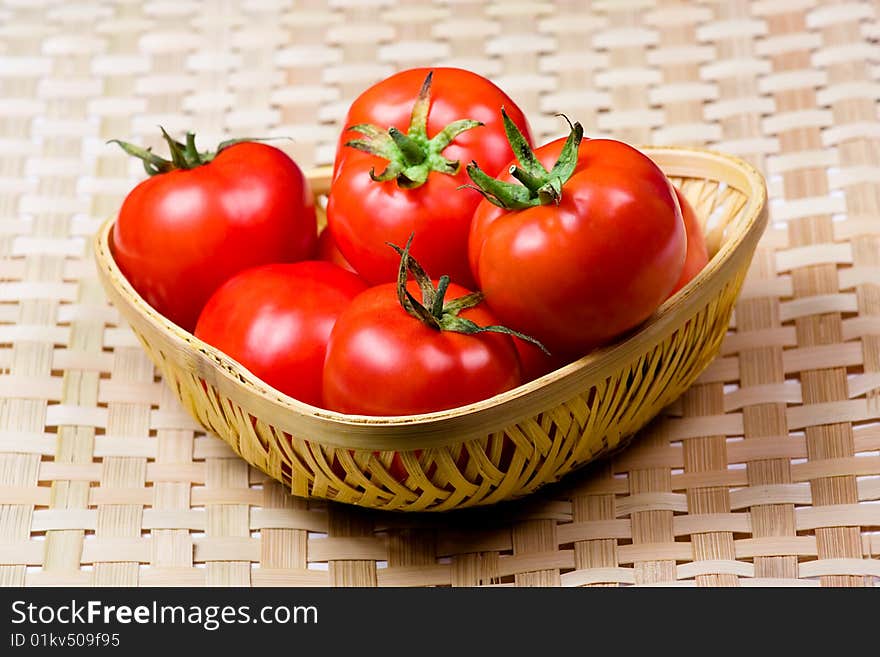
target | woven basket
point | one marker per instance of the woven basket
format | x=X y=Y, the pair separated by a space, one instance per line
x=498 y=449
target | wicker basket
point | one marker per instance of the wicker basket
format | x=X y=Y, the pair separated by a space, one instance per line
x=497 y=449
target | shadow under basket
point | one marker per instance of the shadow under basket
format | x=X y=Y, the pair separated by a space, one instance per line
x=497 y=449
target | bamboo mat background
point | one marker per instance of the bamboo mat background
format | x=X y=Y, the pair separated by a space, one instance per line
x=766 y=473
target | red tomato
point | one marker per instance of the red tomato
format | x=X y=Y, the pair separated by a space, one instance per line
x=390 y=354
x=418 y=191
x=382 y=361
x=697 y=254
x=329 y=252
x=276 y=320
x=582 y=253
x=534 y=363
x=184 y=231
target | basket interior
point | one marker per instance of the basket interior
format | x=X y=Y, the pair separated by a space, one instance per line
x=715 y=184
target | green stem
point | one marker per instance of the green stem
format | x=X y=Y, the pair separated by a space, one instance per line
x=442 y=286
x=183 y=156
x=537 y=185
x=418 y=120
x=434 y=311
x=411 y=156
x=532 y=183
x=177 y=157
x=521 y=148
x=153 y=164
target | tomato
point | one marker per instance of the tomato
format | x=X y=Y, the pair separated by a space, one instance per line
x=386 y=187
x=697 y=254
x=329 y=252
x=576 y=256
x=201 y=219
x=381 y=361
x=533 y=362
x=391 y=355
x=275 y=320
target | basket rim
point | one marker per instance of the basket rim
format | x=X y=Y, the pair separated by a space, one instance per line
x=440 y=428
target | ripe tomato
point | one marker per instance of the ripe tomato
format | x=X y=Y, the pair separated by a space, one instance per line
x=202 y=218
x=697 y=254
x=276 y=319
x=535 y=363
x=329 y=252
x=391 y=355
x=388 y=184
x=576 y=256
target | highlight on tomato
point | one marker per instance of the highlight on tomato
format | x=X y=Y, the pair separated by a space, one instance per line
x=202 y=217
x=276 y=319
x=399 y=165
x=391 y=354
x=577 y=241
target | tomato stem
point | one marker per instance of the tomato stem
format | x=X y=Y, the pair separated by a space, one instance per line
x=537 y=185
x=532 y=183
x=183 y=156
x=442 y=286
x=434 y=311
x=418 y=120
x=153 y=164
x=411 y=156
x=177 y=157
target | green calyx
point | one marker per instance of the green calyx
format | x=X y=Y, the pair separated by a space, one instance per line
x=537 y=185
x=411 y=156
x=183 y=155
x=434 y=310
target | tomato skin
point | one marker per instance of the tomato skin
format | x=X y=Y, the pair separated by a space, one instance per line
x=367 y=214
x=181 y=234
x=697 y=253
x=382 y=361
x=577 y=274
x=533 y=362
x=364 y=214
x=329 y=252
x=276 y=319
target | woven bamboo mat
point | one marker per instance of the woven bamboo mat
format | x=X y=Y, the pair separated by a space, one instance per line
x=765 y=473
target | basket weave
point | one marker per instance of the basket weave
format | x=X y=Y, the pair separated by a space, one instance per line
x=494 y=450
